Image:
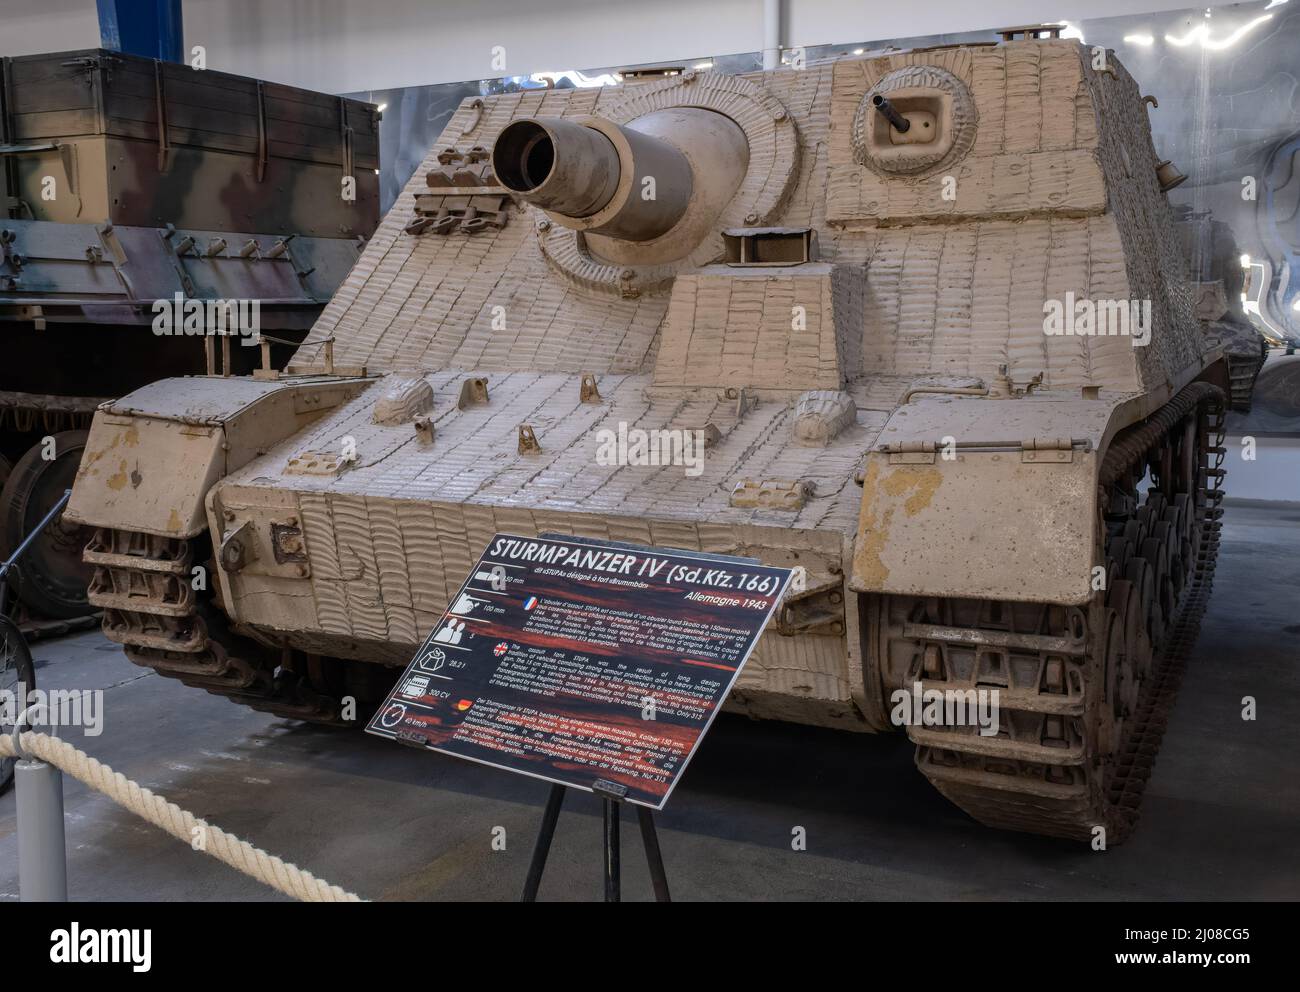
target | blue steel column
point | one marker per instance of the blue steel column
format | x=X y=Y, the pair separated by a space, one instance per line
x=151 y=28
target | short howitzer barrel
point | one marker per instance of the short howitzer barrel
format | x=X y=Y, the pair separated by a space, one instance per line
x=593 y=175
x=557 y=165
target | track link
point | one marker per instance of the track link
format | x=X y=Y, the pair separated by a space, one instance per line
x=1243 y=370
x=144 y=584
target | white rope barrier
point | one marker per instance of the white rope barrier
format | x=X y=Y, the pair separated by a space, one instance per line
x=181 y=824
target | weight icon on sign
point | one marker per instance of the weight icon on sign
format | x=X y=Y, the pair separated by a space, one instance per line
x=433 y=659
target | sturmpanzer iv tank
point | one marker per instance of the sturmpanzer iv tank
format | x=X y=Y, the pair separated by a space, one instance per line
x=928 y=314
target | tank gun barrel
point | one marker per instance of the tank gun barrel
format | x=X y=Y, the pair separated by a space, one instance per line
x=557 y=165
x=594 y=175
x=629 y=182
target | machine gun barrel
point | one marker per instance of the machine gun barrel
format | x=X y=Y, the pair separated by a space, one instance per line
x=888 y=111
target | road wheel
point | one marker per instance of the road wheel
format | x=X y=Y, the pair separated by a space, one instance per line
x=52 y=578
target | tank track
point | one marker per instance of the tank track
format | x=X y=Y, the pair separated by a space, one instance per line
x=29 y=413
x=143 y=584
x=1243 y=370
x=1085 y=692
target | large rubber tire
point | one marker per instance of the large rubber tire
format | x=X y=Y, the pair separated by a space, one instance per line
x=15 y=668
x=52 y=578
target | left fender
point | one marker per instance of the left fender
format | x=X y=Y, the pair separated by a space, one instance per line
x=980 y=498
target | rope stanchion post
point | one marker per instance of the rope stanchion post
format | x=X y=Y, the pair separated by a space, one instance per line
x=38 y=791
x=42 y=854
x=184 y=826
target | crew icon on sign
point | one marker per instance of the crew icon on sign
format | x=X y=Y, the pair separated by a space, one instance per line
x=451 y=632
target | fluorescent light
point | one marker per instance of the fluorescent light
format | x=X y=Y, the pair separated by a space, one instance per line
x=858 y=51
x=1139 y=39
x=702 y=65
x=578 y=79
x=1201 y=33
x=1245 y=261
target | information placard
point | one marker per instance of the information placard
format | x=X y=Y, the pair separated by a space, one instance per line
x=580 y=662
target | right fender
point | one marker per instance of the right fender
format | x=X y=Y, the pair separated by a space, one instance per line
x=152 y=456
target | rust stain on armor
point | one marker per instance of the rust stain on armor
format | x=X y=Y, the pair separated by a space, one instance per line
x=915 y=488
x=118 y=479
x=923 y=482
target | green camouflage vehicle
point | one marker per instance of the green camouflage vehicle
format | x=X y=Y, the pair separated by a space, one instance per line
x=134 y=190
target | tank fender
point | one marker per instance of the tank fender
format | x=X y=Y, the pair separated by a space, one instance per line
x=978 y=498
x=152 y=456
x=146 y=474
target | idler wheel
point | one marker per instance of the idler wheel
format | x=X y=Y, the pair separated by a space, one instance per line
x=51 y=578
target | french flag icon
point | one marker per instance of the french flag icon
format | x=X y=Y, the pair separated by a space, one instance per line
x=530 y=602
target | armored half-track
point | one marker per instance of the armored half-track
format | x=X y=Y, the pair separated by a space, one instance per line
x=130 y=183
x=870 y=287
